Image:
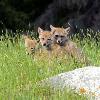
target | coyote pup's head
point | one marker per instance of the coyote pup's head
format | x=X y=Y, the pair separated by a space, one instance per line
x=59 y=35
x=30 y=44
x=45 y=38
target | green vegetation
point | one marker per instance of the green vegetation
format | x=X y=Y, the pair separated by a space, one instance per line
x=19 y=72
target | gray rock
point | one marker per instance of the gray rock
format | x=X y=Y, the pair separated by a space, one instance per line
x=83 y=80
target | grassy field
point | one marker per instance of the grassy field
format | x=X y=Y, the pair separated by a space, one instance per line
x=19 y=72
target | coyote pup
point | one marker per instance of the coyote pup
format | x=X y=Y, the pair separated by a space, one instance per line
x=46 y=41
x=60 y=37
x=45 y=38
x=30 y=44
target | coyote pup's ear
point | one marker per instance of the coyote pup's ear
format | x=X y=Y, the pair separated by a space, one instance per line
x=52 y=27
x=67 y=30
x=40 y=30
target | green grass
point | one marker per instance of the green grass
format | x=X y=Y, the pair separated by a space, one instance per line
x=19 y=72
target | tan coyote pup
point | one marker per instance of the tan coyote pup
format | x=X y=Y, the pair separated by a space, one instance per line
x=30 y=44
x=46 y=41
x=60 y=37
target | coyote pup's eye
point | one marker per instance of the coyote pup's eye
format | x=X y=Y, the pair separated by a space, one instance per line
x=49 y=39
x=56 y=36
x=42 y=38
x=62 y=36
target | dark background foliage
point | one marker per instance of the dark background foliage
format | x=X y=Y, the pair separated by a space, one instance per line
x=17 y=14
x=30 y=14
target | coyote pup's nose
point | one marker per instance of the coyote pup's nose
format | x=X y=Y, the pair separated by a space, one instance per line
x=59 y=41
x=44 y=44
